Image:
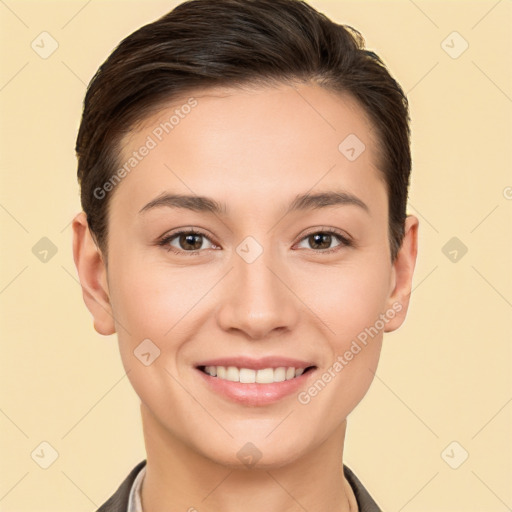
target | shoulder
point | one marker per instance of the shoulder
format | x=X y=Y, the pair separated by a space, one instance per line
x=118 y=502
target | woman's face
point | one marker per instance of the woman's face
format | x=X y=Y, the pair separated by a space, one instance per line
x=267 y=281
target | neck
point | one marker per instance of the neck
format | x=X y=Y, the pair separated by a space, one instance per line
x=179 y=478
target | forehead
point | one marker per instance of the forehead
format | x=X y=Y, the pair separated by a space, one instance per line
x=266 y=142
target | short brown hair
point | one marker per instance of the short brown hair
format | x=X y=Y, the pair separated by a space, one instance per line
x=201 y=44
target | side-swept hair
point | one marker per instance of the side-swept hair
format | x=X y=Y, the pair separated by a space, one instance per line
x=204 y=43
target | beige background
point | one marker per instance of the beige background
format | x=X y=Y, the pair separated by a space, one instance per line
x=444 y=377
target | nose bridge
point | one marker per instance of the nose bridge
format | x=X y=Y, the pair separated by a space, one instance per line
x=256 y=300
x=257 y=279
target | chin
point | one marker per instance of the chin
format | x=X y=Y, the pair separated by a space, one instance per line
x=254 y=452
x=251 y=458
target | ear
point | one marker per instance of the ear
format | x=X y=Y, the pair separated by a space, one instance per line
x=402 y=273
x=93 y=276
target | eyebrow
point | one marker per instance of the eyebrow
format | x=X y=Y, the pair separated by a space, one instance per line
x=300 y=202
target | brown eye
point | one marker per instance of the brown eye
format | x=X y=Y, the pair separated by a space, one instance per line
x=185 y=241
x=321 y=241
x=190 y=241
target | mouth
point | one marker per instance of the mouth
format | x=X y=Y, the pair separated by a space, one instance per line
x=255 y=382
x=242 y=375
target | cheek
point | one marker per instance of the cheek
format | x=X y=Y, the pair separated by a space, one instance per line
x=349 y=302
x=147 y=302
x=346 y=299
x=149 y=299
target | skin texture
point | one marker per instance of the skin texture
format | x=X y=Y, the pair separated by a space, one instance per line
x=254 y=150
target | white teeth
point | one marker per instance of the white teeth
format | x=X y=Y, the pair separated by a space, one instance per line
x=280 y=374
x=250 y=376
x=247 y=376
x=232 y=374
x=265 y=376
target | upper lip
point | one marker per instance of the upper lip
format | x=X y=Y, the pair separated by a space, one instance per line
x=257 y=364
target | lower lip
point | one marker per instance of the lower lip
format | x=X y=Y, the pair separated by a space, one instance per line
x=255 y=394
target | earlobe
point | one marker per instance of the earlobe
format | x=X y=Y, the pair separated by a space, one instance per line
x=403 y=270
x=93 y=276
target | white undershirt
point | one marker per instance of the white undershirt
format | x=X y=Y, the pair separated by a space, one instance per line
x=134 y=501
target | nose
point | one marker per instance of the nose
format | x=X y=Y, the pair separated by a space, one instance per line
x=258 y=298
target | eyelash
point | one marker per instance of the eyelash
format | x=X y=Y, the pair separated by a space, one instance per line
x=345 y=242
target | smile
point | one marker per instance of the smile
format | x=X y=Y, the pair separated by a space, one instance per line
x=252 y=376
x=255 y=387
